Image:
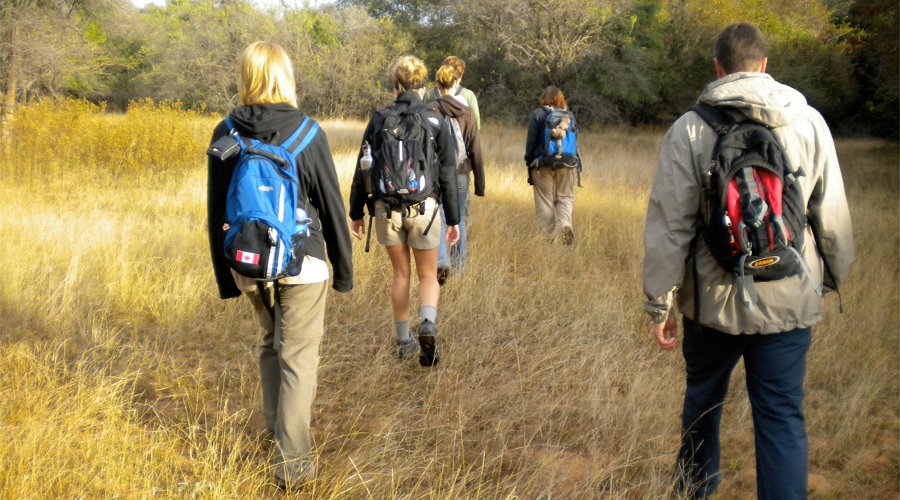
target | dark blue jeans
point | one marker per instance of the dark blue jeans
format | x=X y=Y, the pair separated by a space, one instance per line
x=775 y=366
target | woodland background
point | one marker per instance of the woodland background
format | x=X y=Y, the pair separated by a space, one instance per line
x=122 y=374
x=620 y=62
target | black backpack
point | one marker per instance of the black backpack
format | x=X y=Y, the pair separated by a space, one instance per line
x=404 y=158
x=752 y=211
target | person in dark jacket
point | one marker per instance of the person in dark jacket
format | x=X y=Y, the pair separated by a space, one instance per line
x=290 y=310
x=451 y=105
x=402 y=229
x=554 y=186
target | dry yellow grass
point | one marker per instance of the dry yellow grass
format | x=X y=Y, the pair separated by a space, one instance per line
x=122 y=374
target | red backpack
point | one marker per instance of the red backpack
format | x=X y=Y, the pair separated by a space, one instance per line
x=752 y=211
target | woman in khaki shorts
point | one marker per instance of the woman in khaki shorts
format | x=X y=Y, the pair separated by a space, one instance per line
x=408 y=227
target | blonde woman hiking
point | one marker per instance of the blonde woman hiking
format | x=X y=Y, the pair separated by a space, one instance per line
x=406 y=170
x=291 y=309
x=467 y=146
x=465 y=94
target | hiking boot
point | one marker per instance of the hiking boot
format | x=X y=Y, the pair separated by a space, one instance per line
x=406 y=348
x=568 y=236
x=443 y=273
x=427 y=332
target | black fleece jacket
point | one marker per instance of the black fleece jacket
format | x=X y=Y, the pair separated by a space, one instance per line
x=444 y=188
x=451 y=106
x=534 y=144
x=273 y=123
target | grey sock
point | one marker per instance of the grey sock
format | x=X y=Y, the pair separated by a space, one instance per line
x=429 y=313
x=401 y=328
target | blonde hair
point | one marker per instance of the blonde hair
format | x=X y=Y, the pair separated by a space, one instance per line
x=458 y=64
x=410 y=73
x=445 y=76
x=266 y=75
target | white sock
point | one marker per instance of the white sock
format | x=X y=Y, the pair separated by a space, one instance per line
x=401 y=329
x=429 y=313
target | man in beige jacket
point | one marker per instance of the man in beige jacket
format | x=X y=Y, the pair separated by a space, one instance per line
x=773 y=336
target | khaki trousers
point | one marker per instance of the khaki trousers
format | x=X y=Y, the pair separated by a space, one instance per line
x=554 y=196
x=288 y=365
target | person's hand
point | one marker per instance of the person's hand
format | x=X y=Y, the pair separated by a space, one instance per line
x=358 y=228
x=666 y=333
x=452 y=235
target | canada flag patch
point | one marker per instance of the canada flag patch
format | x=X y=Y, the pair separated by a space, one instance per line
x=248 y=257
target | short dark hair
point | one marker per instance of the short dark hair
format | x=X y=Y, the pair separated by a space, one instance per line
x=740 y=47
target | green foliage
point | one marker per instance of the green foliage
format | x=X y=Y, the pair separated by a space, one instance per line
x=94 y=33
x=875 y=53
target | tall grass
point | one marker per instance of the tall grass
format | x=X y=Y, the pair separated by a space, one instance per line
x=122 y=374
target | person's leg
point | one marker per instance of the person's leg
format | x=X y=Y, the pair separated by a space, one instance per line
x=425 y=249
x=429 y=294
x=710 y=357
x=269 y=369
x=776 y=365
x=459 y=252
x=544 y=194
x=301 y=317
x=426 y=270
x=399 y=255
x=564 y=202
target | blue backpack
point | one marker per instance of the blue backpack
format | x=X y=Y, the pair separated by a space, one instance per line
x=560 y=133
x=265 y=225
x=560 y=141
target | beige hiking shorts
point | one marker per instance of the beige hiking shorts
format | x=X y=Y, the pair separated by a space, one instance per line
x=394 y=227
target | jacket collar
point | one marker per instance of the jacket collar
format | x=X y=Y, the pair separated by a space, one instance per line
x=410 y=98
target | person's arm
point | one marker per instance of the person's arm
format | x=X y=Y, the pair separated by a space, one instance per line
x=669 y=226
x=217 y=179
x=473 y=149
x=533 y=147
x=829 y=215
x=446 y=168
x=325 y=195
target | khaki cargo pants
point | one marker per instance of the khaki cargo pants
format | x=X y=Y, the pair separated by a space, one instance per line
x=554 y=197
x=288 y=365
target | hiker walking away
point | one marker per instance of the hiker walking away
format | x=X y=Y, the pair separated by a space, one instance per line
x=290 y=309
x=467 y=154
x=467 y=95
x=406 y=169
x=747 y=196
x=554 y=164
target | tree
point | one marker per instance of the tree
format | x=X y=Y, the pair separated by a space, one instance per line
x=49 y=46
x=343 y=57
x=192 y=47
x=548 y=36
x=17 y=30
x=876 y=57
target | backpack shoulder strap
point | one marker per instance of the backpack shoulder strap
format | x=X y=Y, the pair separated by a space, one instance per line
x=714 y=116
x=307 y=130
